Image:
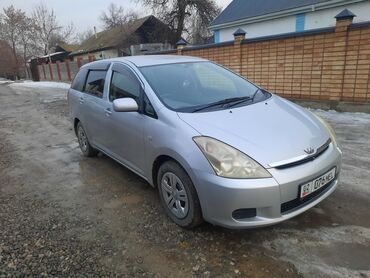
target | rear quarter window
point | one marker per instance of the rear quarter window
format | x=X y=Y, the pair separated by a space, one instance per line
x=79 y=80
x=95 y=82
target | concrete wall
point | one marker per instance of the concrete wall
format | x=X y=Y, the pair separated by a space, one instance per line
x=313 y=20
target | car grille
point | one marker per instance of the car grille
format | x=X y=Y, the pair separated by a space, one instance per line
x=319 y=152
x=297 y=203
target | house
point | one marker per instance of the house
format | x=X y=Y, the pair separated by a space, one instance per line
x=58 y=53
x=134 y=37
x=271 y=17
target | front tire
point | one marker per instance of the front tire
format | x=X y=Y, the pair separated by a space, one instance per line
x=178 y=195
x=86 y=149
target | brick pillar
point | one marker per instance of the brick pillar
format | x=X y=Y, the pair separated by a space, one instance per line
x=51 y=71
x=180 y=45
x=68 y=70
x=43 y=69
x=343 y=20
x=37 y=68
x=58 y=70
x=236 y=63
x=79 y=63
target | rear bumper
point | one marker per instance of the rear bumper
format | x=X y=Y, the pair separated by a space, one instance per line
x=220 y=197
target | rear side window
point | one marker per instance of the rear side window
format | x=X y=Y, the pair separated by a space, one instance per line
x=95 y=83
x=79 y=80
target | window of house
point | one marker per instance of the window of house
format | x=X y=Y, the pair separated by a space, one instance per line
x=299 y=22
x=216 y=36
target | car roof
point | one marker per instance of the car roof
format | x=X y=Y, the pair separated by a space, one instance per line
x=146 y=60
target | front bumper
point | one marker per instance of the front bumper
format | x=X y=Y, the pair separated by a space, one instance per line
x=220 y=197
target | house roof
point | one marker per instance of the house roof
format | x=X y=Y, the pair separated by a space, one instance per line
x=110 y=38
x=68 y=47
x=248 y=9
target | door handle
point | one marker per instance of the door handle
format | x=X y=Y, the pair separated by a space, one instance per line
x=81 y=100
x=108 y=112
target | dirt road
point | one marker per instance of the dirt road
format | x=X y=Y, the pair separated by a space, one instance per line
x=65 y=215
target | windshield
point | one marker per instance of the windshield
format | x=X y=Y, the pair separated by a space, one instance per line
x=192 y=87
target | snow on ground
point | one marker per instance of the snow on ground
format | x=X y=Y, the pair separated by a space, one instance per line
x=42 y=84
x=5 y=81
x=344 y=117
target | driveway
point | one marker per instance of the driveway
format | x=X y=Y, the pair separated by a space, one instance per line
x=65 y=215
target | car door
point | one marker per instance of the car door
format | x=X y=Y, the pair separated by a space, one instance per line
x=76 y=96
x=126 y=129
x=94 y=107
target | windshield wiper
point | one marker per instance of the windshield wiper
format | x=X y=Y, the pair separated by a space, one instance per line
x=245 y=99
x=223 y=102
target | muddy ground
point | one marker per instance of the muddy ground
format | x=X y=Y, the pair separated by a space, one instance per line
x=65 y=215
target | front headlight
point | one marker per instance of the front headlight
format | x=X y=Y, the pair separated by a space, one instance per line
x=229 y=162
x=330 y=129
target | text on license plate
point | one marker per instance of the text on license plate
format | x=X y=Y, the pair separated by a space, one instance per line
x=316 y=184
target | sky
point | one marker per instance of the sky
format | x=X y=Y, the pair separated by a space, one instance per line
x=83 y=13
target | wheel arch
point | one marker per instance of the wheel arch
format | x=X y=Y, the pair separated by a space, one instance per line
x=75 y=122
x=160 y=159
x=157 y=164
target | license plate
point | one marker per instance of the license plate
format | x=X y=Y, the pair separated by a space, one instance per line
x=316 y=184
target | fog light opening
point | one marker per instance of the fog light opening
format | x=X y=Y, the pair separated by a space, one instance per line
x=240 y=214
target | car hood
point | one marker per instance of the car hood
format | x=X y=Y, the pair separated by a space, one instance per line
x=271 y=131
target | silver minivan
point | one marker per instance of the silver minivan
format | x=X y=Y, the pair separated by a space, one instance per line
x=217 y=147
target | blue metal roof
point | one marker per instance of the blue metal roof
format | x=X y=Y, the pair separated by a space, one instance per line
x=244 y=9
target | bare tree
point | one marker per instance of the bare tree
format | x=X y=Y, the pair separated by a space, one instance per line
x=11 y=27
x=180 y=14
x=30 y=37
x=8 y=63
x=116 y=16
x=69 y=33
x=28 y=44
x=83 y=36
x=198 y=31
x=66 y=34
x=46 y=25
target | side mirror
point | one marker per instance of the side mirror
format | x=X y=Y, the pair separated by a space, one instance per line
x=125 y=105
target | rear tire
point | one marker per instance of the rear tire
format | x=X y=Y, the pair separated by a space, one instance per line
x=178 y=195
x=86 y=149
